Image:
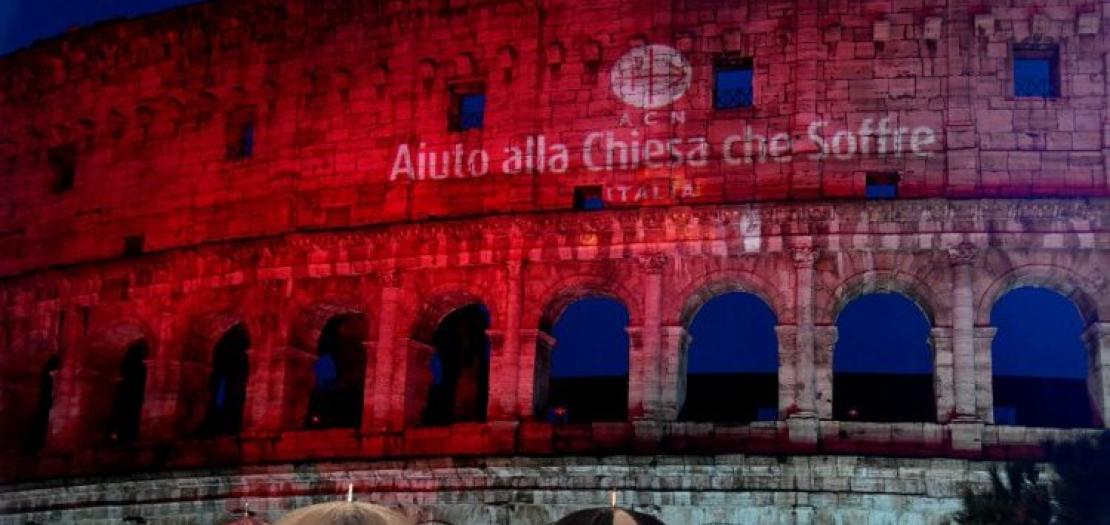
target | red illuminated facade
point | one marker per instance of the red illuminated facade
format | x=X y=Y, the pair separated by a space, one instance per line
x=239 y=234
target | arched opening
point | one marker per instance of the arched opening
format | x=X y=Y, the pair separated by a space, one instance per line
x=227 y=384
x=732 y=361
x=339 y=374
x=459 y=388
x=39 y=426
x=1039 y=362
x=127 y=405
x=588 y=371
x=883 y=361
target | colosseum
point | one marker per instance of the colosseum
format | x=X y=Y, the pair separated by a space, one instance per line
x=255 y=252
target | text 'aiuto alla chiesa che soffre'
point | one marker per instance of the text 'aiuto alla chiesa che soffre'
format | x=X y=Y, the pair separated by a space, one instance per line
x=255 y=251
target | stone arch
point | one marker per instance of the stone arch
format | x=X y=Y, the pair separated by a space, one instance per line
x=566 y=291
x=27 y=391
x=449 y=358
x=1067 y=282
x=1083 y=293
x=210 y=341
x=561 y=296
x=111 y=375
x=707 y=287
x=327 y=365
x=934 y=306
x=697 y=393
x=442 y=303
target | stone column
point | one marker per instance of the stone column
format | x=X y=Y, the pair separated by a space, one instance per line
x=504 y=380
x=940 y=341
x=676 y=341
x=824 y=346
x=159 y=419
x=379 y=396
x=67 y=415
x=787 y=336
x=961 y=258
x=412 y=377
x=805 y=379
x=802 y=423
x=534 y=372
x=644 y=372
x=266 y=381
x=984 y=373
x=1097 y=339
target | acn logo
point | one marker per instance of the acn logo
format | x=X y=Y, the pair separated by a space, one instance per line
x=651 y=76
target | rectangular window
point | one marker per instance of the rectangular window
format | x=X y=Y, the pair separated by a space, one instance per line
x=588 y=198
x=882 y=185
x=240 y=134
x=63 y=164
x=1036 y=71
x=732 y=83
x=468 y=111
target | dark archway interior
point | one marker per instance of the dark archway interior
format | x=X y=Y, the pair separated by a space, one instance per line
x=732 y=361
x=589 y=363
x=460 y=368
x=227 y=385
x=127 y=406
x=883 y=361
x=1039 y=362
x=339 y=374
x=39 y=427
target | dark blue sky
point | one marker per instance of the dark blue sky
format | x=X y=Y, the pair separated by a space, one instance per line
x=1038 y=329
x=24 y=21
x=1038 y=335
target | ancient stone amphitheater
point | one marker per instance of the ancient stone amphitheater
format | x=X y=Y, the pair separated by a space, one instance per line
x=253 y=252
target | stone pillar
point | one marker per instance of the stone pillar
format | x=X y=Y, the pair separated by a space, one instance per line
x=672 y=396
x=412 y=377
x=644 y=373
x=824 y=346
x=370 y=350
x=1097 y=339
x=534 y=372
x=961 y=258
x=940 y=341
x=984 y=373
x=67 y=415
x=788 y=389
x=266 y=381
x=805 y=378
x=159 y=419
x=505 y=357
x=379 y=397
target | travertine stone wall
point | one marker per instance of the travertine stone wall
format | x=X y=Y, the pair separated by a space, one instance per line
x=681 y=490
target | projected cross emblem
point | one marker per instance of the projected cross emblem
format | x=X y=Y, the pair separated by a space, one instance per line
x=651 y=76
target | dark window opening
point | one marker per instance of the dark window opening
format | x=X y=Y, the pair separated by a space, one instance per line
x=63 y=163
x=240 y=133
x=227 y=385
x=587 y=370
x=882 y=185
x=733 y=355
x=468 y=111
x=882 y=363
x=123 y=425
x=732 y=83
x=588 y=198
x=459 y=389
x=1039 y=361
x=40 y=421
x=1036 y=71
x=340 y=374
x=133 y=245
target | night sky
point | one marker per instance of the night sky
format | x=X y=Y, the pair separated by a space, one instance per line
x=1038 y=329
